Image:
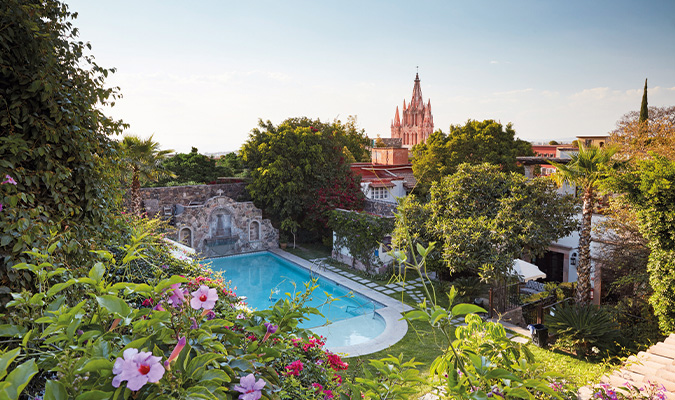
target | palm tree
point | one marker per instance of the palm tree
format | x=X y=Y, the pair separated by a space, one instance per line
x=585 y=170
x=143 y=159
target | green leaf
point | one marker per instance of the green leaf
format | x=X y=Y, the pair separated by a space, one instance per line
x=114 y=304
x=500 y=373
x=6 y=359
x=168 y=282
x=463 y=309
x=94 y=395
x=7 y=330
x=136 y=344
x=97 y=271
x=55 y=390
x=96 y=364
x=415 y=315
x=59 y=287
x=18 y=379
x=200 y=362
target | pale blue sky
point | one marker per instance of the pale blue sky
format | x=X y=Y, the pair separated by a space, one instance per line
x=201 y=73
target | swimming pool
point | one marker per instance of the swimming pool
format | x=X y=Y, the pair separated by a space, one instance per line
x=264 y=278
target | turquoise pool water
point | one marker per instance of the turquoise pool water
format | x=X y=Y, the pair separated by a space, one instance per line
x=264 y=278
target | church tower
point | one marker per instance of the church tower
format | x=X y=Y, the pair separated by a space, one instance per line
x=416 y=123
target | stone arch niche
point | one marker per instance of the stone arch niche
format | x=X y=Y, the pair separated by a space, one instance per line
x=254 y=231
x=185 y=236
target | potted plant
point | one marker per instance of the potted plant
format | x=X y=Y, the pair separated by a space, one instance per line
x=283 y=240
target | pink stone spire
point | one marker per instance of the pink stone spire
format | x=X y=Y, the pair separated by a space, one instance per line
x=397 y=119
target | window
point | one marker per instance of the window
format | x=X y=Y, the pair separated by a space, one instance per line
x=379 y=193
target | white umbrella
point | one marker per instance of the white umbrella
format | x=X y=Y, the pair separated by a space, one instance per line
x=526 y=270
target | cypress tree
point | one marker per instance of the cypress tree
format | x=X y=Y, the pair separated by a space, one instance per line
x=644 y=113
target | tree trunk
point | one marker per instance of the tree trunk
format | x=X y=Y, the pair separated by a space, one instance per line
x=135 y=195
x=583 y=294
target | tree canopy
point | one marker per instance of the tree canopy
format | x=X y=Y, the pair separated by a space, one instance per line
x=475 y=142
x=54 y=138
x=650 y=190
x=192 y=168
x=299 y=172
x=481 y=218
x=657 y=134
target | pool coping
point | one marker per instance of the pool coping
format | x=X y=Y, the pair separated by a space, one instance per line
x=391 y=311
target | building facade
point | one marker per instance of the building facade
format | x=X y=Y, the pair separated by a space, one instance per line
x=417 y=122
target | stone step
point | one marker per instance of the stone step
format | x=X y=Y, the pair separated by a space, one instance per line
x=663 y=350
x=670 y=339
x=655 y=358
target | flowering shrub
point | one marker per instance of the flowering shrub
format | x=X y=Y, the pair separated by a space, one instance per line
x=651 y=391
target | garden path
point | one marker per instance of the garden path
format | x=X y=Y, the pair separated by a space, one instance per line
x=656 y=365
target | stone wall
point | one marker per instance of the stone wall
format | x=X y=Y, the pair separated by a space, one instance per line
x=378 y=207
x=222 y=226
x=155 y=199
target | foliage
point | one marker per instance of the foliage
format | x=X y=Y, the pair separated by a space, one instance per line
x=142 y=160
x=585 y=170
x=561 y=291
x=636 y=139
x=477 y=360
x=585 y=328
x=468 y=288
x=360 y=234
x=474 y=143
x=650 y=191
x=12 y=384
x=232 y=162
x=53 y=136
x=292 y=162
x=484 y=218
x=192 y=168
x=203 y=351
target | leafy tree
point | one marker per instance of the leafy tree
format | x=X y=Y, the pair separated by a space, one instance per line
x=650 y=191
x=553 y=142
x=193 y=167
x=299 y=173
x=142 y=159
x=482 y=218
x=585 y=170
x=475 y=142
x=53 y=135
x=657 y=134
x=232 y=162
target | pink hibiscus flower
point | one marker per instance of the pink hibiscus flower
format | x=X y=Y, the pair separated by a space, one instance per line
x=204 y=297
x=137 y=369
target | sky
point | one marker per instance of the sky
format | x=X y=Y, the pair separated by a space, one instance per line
x=202 y=73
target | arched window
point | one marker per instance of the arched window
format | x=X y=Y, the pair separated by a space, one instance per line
x=254 y=231
x=185 y=236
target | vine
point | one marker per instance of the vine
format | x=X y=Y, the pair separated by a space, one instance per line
x=359 y=233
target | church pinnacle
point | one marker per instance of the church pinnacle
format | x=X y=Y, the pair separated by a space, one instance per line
x=417 y=123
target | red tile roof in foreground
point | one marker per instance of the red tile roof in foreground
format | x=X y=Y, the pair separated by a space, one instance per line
x=379 y=175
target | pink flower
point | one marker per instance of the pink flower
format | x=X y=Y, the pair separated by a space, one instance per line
x=328 y=394
x=176 y=297
x=137 y=369
x=204 y=297
x=249 y=388
x=295 y=367
x=317 y=386
x=176 y=351
x=9 y=179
